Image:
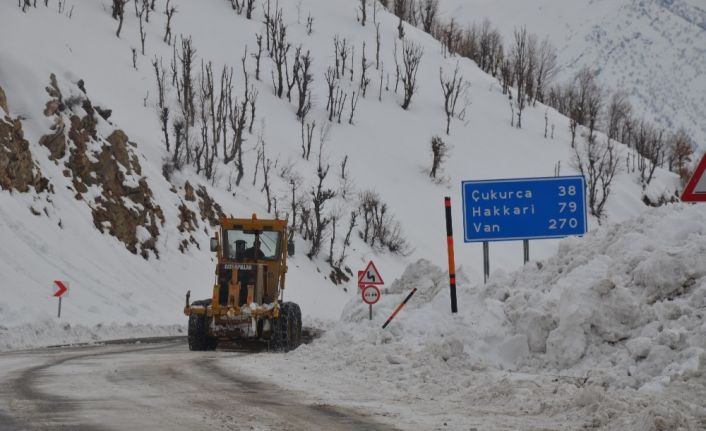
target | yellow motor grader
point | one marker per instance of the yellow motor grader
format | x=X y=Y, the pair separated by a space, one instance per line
x=247 y=301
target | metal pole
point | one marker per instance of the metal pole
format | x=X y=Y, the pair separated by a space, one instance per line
x=399 y=307
x=450 y=247
x=486 y=261
x=58 y=315
x=371 y=311
x=525 y=246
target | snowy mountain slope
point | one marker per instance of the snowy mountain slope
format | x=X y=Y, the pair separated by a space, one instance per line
x=388 y=150
x=654 y=50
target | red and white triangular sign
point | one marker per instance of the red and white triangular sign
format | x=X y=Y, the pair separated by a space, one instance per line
x=695 y=190
x=370 y=276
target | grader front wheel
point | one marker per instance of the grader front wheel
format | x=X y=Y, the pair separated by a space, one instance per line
x=198 y=334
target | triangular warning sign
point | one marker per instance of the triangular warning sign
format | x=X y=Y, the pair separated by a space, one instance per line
x=695 y=190
x=370 y=275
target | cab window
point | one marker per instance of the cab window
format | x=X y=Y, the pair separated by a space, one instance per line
x=243 y=244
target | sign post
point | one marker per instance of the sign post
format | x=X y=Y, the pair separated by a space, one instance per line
x=695 y=190
x=368 y=280
x=60 y=288
x=371 y=295
x=522 y=209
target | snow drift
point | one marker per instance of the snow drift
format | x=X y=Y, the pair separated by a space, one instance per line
x=609 y=333
x=624 y=306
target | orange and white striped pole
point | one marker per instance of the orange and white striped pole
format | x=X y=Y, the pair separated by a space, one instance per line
x=452 y=260
x=399 y=307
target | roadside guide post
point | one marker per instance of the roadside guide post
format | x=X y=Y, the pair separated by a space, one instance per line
x=60 y=288
x=524 y=209
x=368 y=281
x=452 y=260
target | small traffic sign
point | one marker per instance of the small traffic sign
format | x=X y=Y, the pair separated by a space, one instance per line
x=695 y=190
x=60 y=288
x=370 y=276
x=371 y=294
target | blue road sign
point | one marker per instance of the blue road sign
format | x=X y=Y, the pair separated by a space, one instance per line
x=524 y=208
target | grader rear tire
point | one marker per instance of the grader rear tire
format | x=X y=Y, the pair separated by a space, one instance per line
x=295 y=323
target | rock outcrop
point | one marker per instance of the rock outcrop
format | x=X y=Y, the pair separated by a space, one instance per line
x=105 y=172
x=18 y=171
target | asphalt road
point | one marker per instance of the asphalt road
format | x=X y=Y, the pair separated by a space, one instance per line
x=153 y=385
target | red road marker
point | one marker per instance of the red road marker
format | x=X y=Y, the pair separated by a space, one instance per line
x=60 y=288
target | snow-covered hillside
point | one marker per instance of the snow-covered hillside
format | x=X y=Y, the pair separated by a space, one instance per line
x=54 y=233
x=655 y=50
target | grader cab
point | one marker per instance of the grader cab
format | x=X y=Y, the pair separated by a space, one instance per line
x=247 y=301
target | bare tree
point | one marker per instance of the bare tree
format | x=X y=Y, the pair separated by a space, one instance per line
x=439 y=151
x=377 y=46
x=141 y=17
x=520 y=60
x=428 y=10
x=352 y=223
x=363 y=11
x=307 y=137
x=334 y=222
x=546 y=68
x=147 y=9
x=203 y=153
x=598 y=163
x=619 y=110
x=162 y=109
x=650 y=146
x=309 y=24
x=411 y=58
x=178 y=142
x=681 y=149
x=184 y=83
x=364 y=66
x=119 y=14
x=257 y=56
x=400 y=9
x=249 y=8
x=379 y=227
x=320 y=195
x=277 y=34
x=169 y=11
x=304 y=79
x=290 y=81
x=266 y=167
x=451 y=90
x=354 y=104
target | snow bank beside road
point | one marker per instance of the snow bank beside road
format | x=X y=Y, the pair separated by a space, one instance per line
x=610 y=334
x=625 y=306
x=51 y=332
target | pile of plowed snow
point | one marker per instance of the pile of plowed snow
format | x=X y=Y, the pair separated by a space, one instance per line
x=608 y=334
x=626 y=304
x=624 y=307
